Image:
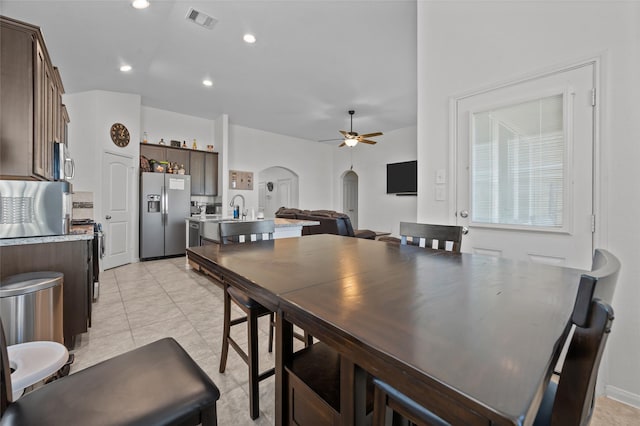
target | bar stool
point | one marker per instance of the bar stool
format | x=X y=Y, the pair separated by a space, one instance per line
x=240 y=232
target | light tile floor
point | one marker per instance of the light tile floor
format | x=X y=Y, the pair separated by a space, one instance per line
x=143 y=302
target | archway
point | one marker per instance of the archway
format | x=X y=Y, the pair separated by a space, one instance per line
x=350 y=196
x=277 y=187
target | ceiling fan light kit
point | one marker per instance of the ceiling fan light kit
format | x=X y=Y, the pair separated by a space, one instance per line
x=352 y=138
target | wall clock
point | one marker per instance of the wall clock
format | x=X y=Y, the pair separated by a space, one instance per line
x=120 y=135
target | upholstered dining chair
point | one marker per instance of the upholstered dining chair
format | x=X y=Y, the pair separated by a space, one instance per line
x=245 y=232
x=424 y=235
x=156 y=384
x=568 y=401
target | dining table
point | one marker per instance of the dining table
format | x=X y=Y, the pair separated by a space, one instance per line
x=472 y=338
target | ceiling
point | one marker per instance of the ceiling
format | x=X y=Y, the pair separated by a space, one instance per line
x=312 y=62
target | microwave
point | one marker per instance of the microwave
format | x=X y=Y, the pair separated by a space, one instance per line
x=63 y=165
x=33 y=209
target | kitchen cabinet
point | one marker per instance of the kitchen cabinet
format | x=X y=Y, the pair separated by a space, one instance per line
x=204 y=173
x=211 y=174
x=72 y=258
x=180 y=156
x=201 y=165
x=166 y=153
x=154 y=152
x=64 y=125
x=31 y=103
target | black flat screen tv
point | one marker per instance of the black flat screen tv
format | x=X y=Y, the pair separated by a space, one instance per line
x=402 y=178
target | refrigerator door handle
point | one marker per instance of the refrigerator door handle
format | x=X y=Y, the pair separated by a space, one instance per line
x=163 y=205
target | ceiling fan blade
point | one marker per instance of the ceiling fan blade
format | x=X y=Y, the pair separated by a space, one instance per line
x=345 y=134
x=367 y=141
x=341 y=145
x=331 y=140
x=370 y=135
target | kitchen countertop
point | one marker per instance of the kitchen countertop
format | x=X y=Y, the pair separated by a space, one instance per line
x=4 y=242
x=278 y=222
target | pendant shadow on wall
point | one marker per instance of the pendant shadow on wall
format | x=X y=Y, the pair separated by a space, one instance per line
x=277 y=187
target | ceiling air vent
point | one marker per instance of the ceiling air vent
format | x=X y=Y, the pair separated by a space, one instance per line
x=201 y=19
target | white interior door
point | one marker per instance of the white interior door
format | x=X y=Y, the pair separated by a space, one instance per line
x=262 y=195
x=525 y=169
x=284 y=192
x=117 y=209
x=350 y=197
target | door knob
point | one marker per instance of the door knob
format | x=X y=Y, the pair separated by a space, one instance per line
x=107 y=217
x=465 y=230
x=464 y=213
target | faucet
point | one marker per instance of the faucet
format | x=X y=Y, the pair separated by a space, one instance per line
x=233 y=203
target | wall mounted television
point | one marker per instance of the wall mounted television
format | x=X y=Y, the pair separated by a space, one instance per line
x=402 y=178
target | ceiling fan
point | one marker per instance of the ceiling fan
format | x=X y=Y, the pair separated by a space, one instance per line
x=352 y=138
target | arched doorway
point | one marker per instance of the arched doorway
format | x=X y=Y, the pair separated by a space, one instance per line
x=350 y=196
x=277 y=187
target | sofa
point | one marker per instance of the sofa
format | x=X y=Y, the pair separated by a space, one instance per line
x=331 y=222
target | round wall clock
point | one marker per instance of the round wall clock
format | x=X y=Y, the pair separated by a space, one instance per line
x=120 y=135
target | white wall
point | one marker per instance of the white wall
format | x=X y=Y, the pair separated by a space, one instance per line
x=169 y=126
x=468 y=45
x=254 y=150
x=92 y=114
x=377 y=210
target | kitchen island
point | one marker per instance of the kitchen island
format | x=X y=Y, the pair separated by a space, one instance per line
x=206 y=228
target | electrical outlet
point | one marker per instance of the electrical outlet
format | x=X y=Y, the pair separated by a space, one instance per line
x=440 y=193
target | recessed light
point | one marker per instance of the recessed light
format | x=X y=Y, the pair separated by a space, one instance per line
x=207 y=83
x=140 y=4
x=125 y=68
x=249 y=38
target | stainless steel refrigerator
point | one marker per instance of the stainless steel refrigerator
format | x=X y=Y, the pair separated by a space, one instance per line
x=164 y=206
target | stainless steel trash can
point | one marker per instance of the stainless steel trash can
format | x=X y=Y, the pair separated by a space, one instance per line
x=31 y=307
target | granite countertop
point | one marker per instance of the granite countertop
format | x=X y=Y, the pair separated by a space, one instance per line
x=284 y=223
x=278 y=222
x=47 y=239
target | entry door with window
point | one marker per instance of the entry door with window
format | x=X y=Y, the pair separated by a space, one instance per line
x=525 y=169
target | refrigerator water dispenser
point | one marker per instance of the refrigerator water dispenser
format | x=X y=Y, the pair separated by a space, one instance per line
x=153 y=203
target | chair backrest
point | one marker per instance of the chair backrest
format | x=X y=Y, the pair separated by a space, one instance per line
x=600 y=284
x=5 y=373
x=239 y=232
x=423 y=235
x=573 y=404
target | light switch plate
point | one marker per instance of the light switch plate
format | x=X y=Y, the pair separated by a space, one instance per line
x=440 y=193
x=441 y=176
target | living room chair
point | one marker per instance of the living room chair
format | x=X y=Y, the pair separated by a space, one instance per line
x=156 y=384
x=570 y=400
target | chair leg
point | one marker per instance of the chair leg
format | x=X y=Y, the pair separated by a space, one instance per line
x=272 y=324
x=226 y=331
x=254 y=390
x=379 y=407
x=308 y=339
x=209 y=416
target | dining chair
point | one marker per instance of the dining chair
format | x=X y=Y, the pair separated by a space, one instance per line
x=569 y=401
x=423 y=235
x=245 y=232
x=156 y=384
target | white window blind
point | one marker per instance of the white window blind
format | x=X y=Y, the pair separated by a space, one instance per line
x=518 y=164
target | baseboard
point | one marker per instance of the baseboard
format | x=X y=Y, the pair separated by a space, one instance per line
x=622 y=396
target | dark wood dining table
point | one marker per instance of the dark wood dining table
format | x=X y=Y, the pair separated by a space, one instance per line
x=473 y=338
